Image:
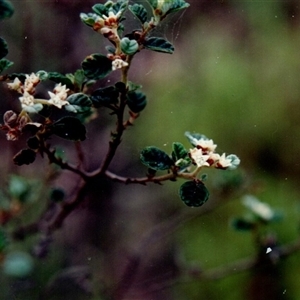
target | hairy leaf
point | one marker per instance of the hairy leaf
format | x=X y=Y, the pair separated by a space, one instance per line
x=136 y=101
x=79 y=103
x=128 y=46
x=155 y=158
x=96 y=66
x=139 y=11
x=159 y=45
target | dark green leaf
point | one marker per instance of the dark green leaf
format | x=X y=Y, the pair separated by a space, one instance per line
x=88 y=19
x=24 y=157
x=5 y=64
x=156 y=159
x=159 y=45
x=193 y=193
x=136 y=101
x=105 y=96
x=69 y=128
x=60 y=78
x=3 y=48
x=128 y=46
x=179 y=151
x=120 y=6
x=153 y=3
x=100 y=9
x=6 y=9
x=78 y=103
x=21 y=76
x=79 y=78
x=96 y=66
x=177 y=5
x=139 y=11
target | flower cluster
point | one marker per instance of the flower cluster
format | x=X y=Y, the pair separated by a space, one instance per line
x=32 y=105
x=203 y=154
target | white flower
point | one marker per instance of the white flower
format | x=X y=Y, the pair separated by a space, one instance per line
x=223 y=162
x=61 y=91
x=261 y=209
x=31 y=82
x=26 y=100
x=199 y=158
x=118 y=64
x=15 y=85
x=206 y=145
x=56 y=100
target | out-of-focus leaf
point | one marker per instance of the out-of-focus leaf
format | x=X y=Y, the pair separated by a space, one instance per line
x=6 y=9
x=5 y=64
x=24 y=157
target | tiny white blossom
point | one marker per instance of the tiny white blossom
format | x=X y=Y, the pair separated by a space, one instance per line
x=118 y=64
x=61 y=91
x=206 y=145
x=223 y=162
x=199 y=158
x=15 y=85
x=56 y=100
x=26 y=100
x=261 y=209
x=30 y=82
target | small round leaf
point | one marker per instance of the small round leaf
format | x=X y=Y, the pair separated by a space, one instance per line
x=193 y=193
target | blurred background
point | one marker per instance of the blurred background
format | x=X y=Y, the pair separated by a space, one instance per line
x=234 y=77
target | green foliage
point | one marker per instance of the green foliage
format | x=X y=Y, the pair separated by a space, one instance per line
x=193 y=193
x=156 y=159
x=3 y=240
x=128 y=46
x=6 y=9
x=105 y=96
x=136 y=101
x=5 y=64
x=139 y=11
x=159 y=45
x=78 y=103
x=179 y=151
x=96 y=66
x=69 y=128
x=19 y=188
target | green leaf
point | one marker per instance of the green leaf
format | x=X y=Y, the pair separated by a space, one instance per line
x=60 y=78
x=159 y=45
x=3 y=48
x=100 y=9
x=69 y=128
x=179 y=151
x=139 y=11
x=79 y=103
x=79 y=78
x=88 y=19
x=156 y=159
x=128 y=46
x=193 y=193
x=5 y=64
x=96 y=66
x=105 y=96
x=120 y=6
x=153 y=3
x=136 y=101
x=6 y=9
